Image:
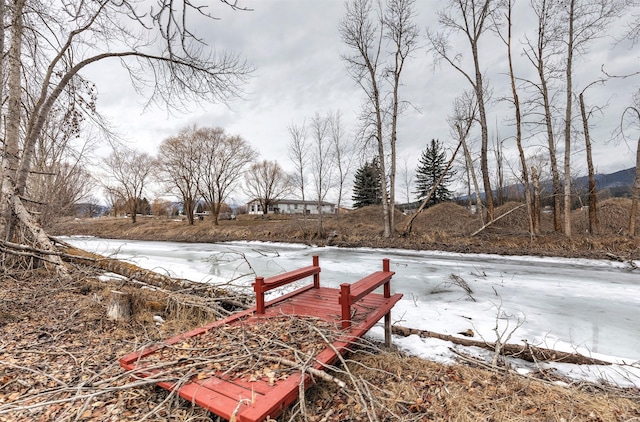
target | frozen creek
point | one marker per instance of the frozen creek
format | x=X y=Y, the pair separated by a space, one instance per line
x=589 y=306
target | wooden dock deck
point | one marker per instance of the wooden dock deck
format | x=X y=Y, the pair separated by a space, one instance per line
x=244 y=367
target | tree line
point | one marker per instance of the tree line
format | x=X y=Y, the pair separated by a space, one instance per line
x=544 y=102
x=198 y=164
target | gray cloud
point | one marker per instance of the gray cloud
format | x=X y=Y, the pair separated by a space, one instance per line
x=295 y=46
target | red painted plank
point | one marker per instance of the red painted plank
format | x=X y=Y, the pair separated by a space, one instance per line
x=289 y=277
x=368 y=284
x=274 y=403
x=211 y=400
x=233 y=389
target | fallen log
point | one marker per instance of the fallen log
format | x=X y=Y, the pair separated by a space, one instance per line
x=151 y=278
x=618 y=258
x=526 y=351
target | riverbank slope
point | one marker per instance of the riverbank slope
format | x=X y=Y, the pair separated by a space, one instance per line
x=446 y=227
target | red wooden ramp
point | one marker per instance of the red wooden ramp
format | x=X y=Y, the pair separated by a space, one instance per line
x=240 y=367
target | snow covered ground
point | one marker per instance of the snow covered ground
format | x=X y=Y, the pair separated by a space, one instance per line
x=573 y=305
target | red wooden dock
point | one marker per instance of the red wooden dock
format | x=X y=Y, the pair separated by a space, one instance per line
x=253 y=395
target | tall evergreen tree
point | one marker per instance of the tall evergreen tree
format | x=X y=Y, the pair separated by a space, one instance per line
x=367 y=186
x=432 y=165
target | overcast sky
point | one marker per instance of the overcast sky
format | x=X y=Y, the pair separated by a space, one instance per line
x=295 y=47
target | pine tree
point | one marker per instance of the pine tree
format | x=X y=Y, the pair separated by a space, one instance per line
x=367 y=186
x=431 y=166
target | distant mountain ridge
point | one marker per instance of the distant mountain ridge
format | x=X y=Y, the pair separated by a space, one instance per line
x=618 y=183
x=619 y=179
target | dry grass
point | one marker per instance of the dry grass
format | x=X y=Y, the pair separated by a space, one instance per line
x=613 y=217
x=446 y=220
x=445 y=226
x=411 y=389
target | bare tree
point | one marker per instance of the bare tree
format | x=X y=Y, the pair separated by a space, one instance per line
x=266 y=182
x=586 y=21
x=223 y=163
x=130 y=171
x=593 y=212
x=402 y=33
x=61 y=190
x=321 y=163
x=470 y=18
x=533 y=228
x=343 y=155
x=541 y=52
x=498 y=149
x=571 y=17
x=178 y=168
x=59 y=177
x=406 y=179
x=62 y=39
x=465 y=112
x=299 y=155
x=365 y=36
x=633 y=122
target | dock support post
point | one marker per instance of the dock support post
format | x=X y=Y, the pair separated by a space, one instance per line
x=316 y=277
x=345 y=301
x=387 y=317
x=258 y=287
x=387 y=285
x=387 y=330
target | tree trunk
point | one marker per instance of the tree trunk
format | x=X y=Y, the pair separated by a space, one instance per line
x=119 y=307
x=12 y=206
x=518 y=115
x=567 y=124
x=37 y=233
x=467 y=156
x=484 y=163
x=151 y=278
x=593 y=216
x=215 y=212
x=535 y=215
x=3 y=204
x=500 y=194
x=12 y=139
x=635 y=195
x=189 y=207
x=548 y=120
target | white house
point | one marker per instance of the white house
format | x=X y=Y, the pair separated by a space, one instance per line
x=292 y=206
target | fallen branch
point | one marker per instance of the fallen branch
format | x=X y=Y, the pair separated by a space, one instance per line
x=618 y=258
x=496 y=219
x=151 y=278
x=526 y=352
x=313 y=371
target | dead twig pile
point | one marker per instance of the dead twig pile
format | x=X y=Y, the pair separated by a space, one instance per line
x=267 y=350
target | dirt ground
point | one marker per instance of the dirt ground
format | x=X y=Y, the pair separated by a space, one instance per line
x=59 y=352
